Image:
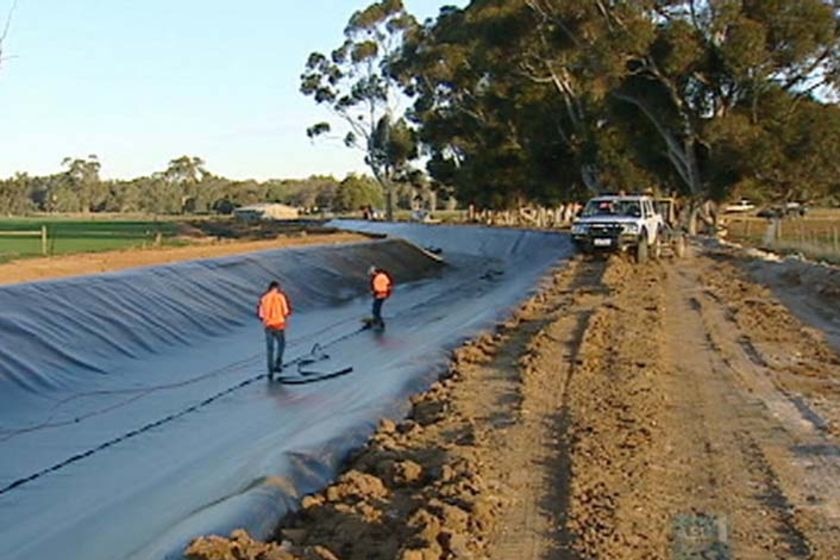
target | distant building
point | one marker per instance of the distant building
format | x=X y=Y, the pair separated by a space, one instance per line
x=267 y=211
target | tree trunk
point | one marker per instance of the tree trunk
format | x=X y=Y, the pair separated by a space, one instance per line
x=692 y=216
x=682 y=156
x=589 y=176
x=702 y=210
x=389 y=202
x=384 y=179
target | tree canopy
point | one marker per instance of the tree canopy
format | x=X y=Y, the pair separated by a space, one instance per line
x=548 y=100
x=357 y=84
x=356 y=192
x=185 y=186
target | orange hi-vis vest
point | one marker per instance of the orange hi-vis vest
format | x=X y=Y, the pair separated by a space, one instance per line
x=381 y=285
x=273 y=310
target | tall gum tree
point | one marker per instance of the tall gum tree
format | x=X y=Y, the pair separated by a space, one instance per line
x=357 y=84
x=488 y=134
x=714 y=61
x=183 y=177
x=681 y=91
x=82 y=178
x=512 y=100
x=570 y=48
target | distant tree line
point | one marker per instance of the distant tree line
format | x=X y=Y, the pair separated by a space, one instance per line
x=551 y=100
x=184 y=187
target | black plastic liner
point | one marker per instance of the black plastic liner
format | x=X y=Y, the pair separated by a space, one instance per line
x=134 y=409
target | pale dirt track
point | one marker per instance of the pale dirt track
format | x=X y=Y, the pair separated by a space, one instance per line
x=30 y=270
x=624 y=412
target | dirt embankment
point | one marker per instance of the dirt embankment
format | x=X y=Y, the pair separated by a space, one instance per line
x=668 y=410
x=810 y=290
x=29 y=270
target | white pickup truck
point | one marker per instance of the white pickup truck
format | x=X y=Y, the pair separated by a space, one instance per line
x=619 y=223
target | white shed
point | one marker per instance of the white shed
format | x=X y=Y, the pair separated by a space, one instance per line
x=266 y=211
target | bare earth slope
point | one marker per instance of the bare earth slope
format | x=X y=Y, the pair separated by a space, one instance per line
x=30 y=270
x=626 y=411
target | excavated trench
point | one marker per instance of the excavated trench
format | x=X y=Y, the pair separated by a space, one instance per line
x=134 y=412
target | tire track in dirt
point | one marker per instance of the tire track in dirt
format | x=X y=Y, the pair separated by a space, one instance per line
x=671 y=441
x=613 y=403
x=793 y=448
x=536 y=465
x=747 y=499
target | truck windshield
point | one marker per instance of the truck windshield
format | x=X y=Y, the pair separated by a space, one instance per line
x=629 y=208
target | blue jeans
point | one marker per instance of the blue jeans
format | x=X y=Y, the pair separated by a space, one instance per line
x=377 y=310
x=275 y=342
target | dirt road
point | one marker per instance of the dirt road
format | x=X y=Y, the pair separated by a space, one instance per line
x=660 y=411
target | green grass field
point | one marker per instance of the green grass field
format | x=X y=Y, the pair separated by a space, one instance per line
x=71 y=235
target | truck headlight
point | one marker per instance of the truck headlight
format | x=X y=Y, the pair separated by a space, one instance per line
x=578 y=229
x=631 y=229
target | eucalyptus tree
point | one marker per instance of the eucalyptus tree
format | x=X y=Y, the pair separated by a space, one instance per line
x=508 y=105
x=357 y=84
x=683 y=95
x=82 y=178
x=355 y=192
x=16 y=195
x=469 y=104
x=716 y=61
x=182 y=179
x=185 y=170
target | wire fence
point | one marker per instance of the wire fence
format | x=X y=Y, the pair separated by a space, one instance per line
x=813 y=238
x=20 y=240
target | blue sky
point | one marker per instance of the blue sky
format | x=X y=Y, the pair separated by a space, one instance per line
x=139 y=82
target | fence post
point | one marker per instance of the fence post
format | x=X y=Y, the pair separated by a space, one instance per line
x=44 y=240
x=836 y=245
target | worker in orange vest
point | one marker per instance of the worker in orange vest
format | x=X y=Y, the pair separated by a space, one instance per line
x=273 y=310
x=381 y=286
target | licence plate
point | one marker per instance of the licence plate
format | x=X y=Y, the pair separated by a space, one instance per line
x=602 y=242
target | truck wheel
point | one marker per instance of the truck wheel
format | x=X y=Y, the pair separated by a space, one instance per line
x=679 y=246
x=642 y=250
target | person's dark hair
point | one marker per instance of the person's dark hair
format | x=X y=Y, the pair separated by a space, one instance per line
x=274 y=284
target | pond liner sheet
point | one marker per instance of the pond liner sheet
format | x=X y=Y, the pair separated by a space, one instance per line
x=135 y=413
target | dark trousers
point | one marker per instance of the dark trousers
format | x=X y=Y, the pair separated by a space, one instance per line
x=377 y=310
x=275 y=344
